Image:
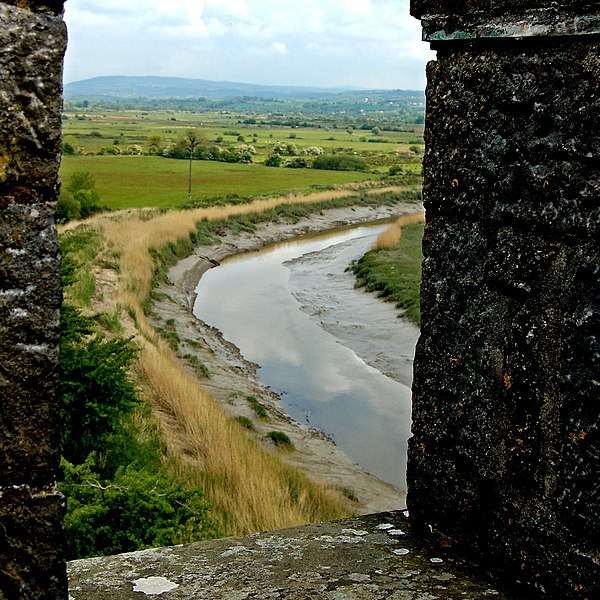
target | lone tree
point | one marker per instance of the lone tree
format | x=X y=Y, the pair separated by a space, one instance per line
x=191 y=140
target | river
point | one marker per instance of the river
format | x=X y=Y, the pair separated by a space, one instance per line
x=322 y=345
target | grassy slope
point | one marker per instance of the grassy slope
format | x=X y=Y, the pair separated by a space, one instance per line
x=395 y=272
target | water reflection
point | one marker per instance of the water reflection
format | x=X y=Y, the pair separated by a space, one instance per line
x=250 y=300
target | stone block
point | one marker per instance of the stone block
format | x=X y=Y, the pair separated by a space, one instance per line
x=505 y=411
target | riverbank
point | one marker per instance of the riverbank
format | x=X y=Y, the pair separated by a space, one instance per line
x=232 y=379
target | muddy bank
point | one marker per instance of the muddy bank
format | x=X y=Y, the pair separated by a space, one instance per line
x=231 y=379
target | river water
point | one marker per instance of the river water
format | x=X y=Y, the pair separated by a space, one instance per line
x=321 y=344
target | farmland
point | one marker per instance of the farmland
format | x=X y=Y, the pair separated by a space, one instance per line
x=125 y=152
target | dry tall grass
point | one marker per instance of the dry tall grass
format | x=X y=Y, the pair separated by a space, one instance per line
x=391 y=236
x=249 y=489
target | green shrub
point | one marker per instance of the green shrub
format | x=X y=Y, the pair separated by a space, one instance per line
x=245 y=422
x=67 y=208
x=273 y=160
x=94 y=386
x=257 y=407
x=83 y=187
x=340 y=162
x=138 y=509
x=280 y=439
x=297 y=163
x=198 y=366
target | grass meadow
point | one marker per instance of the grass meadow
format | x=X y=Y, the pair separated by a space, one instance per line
x=150 y=181
x=126 y=181
x=392 y=268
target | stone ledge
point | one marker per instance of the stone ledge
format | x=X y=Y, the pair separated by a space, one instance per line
x=371 y=557
x=554 y=20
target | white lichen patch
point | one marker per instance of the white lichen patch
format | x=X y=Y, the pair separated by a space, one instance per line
x=396 y=532
x=305 y=576
x=340 y=539
x=153 y=586
x=401 y=551
x=281 y=548
x=385 y=526
x=359 y=533
x=359 y=577
x=33 y=348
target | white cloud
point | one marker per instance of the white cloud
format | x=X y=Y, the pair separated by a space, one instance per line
x=358 y=7
x=279 y=47
x=356 y=41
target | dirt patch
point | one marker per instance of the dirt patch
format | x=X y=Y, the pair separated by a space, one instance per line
x=231 y=379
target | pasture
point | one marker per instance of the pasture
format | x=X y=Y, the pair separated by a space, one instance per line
x=114 y=145
x=141 y=181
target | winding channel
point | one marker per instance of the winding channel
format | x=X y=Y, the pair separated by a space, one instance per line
x=322 y=345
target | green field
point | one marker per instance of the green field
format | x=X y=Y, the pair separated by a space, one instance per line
x=93 y=131
x=114 y=147
x=139 y=181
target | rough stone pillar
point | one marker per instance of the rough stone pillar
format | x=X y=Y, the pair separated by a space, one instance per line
x=504 y=462
x=32 y=44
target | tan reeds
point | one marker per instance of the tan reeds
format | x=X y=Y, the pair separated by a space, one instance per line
x=391 y=236
x=250 y=490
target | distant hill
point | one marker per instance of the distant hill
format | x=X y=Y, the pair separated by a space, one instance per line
x=113 y=87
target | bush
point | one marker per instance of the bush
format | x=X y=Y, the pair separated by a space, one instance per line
x=110 y=150
x=339 y=162
x=280 y=439
x=284 y=149
x=245 y=422
x=94 y=386
x=257 y=407
x=297 y=163
x=120 y=497
x=312 y=151
x=138 y=509
x=68 y=149
x=83 y=187
x=67 y=208
x=274 y=160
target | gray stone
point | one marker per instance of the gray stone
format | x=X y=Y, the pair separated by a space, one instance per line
x=504 y=459
x=355 y=558
x=32 y=564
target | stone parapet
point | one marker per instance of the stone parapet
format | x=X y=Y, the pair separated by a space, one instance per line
x=460 y=20
x=374 y=557
x=505 y=454
x=33 y=40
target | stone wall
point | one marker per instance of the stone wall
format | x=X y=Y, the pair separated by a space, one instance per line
x=504 y=462
x=32 y=42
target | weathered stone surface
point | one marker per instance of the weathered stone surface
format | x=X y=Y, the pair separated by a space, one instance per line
x=372 y=558
x=31 y=539
x=504 y=459
x=30 y=297
x=30 y=105
x=31 y=548
x=477 y=19
x=53 y=7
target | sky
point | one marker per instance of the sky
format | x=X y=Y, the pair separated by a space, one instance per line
x=370 y=44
